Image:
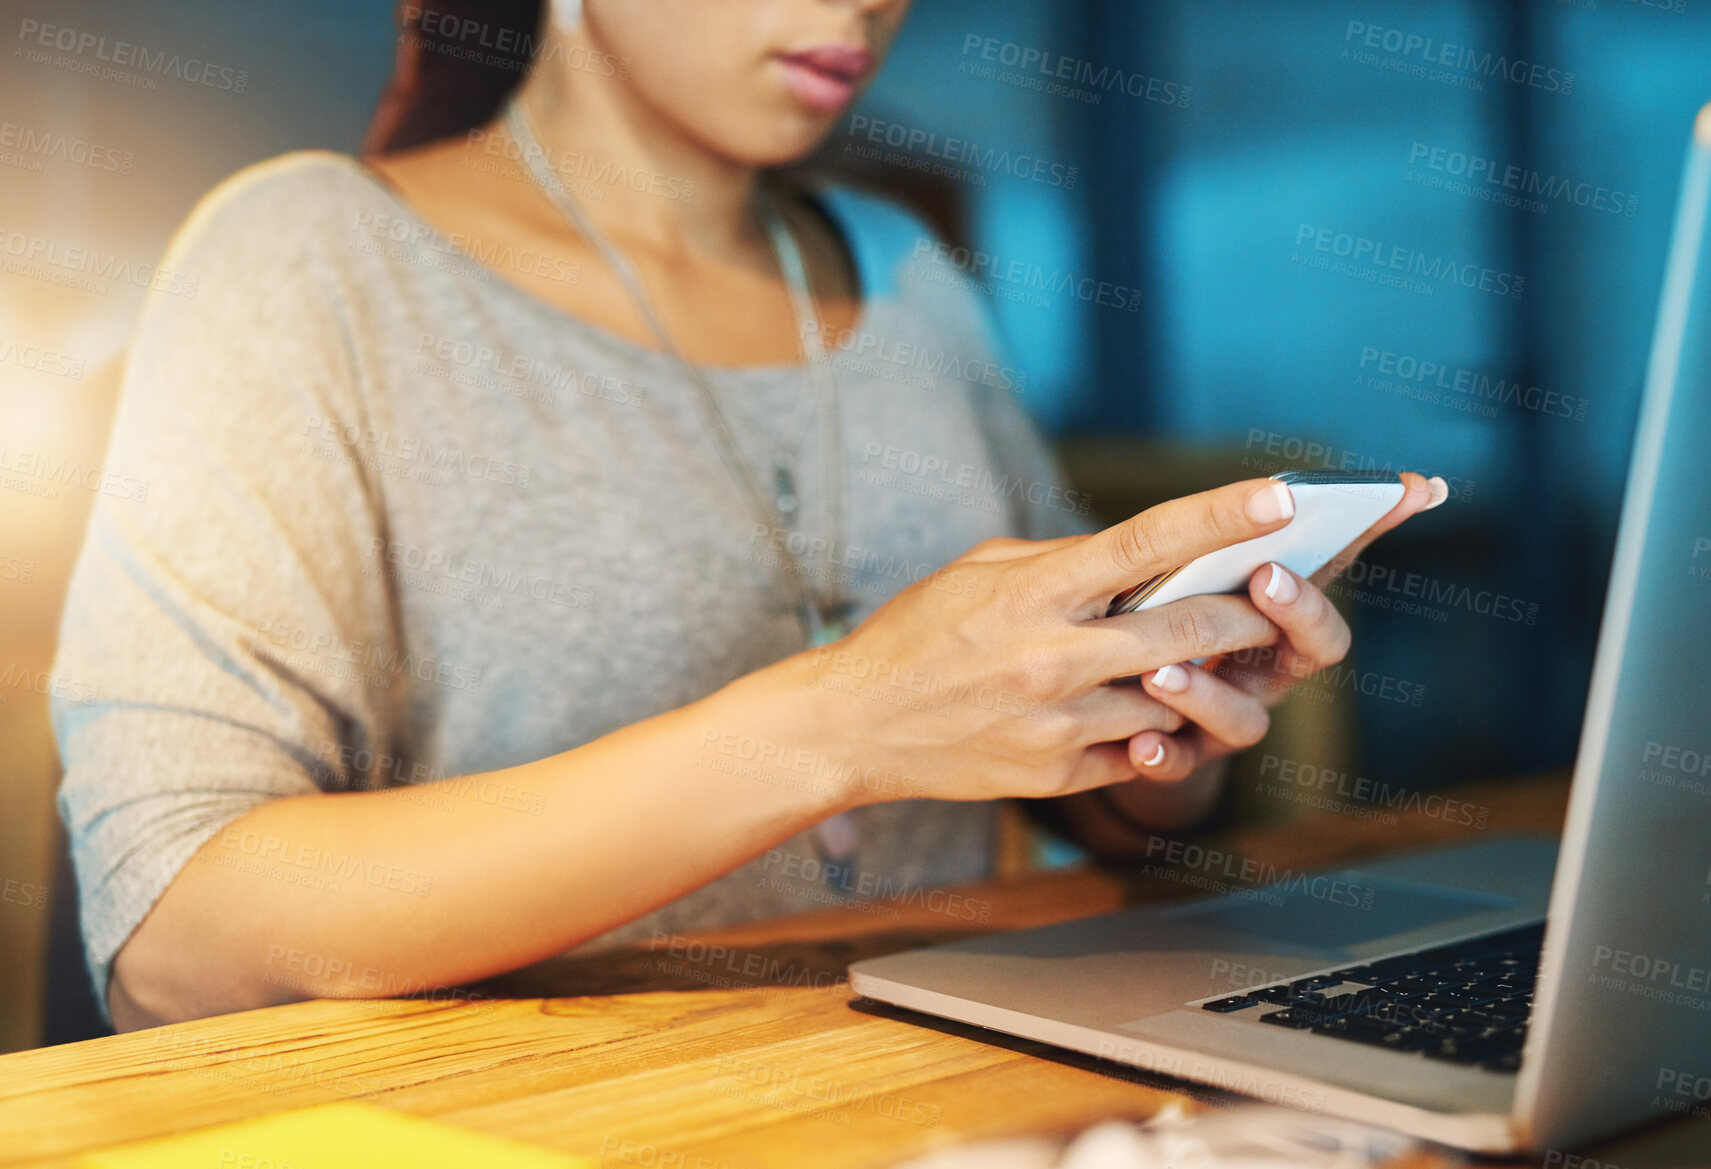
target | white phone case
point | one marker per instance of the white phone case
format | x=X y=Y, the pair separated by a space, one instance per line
x=1332 y=509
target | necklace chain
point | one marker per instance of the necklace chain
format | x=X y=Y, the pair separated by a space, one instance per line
x=822 y=613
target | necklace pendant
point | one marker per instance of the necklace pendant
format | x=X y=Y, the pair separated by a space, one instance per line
x=784 y=489
x=827 y=624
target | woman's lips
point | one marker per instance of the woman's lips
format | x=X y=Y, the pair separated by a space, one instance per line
x=825 y=78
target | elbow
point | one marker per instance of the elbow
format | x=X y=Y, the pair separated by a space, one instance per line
x=133 y=1001
x=155 y=982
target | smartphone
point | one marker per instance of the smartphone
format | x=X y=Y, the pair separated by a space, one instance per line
x=1332 y=510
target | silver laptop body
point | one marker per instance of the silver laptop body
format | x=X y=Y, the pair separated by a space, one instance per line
x=1620 y=1026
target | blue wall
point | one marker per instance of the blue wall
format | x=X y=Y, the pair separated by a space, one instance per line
x=1566 y=124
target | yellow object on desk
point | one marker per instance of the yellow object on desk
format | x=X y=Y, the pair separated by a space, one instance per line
x=347 y=1135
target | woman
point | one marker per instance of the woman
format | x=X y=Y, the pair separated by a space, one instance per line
x=517 y=571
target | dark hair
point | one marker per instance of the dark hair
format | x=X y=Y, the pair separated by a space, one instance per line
x=457 y=62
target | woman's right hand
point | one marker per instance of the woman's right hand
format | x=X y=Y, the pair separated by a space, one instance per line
x=988 y=679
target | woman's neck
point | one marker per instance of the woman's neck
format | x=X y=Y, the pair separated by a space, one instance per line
x=680 y=196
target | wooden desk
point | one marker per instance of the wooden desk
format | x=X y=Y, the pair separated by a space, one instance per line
x=686 y=1057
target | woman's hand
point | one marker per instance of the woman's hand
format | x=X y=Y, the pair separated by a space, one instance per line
x=1225 y=708
x=988 y=679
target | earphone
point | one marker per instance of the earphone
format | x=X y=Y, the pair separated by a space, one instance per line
x=566 y=14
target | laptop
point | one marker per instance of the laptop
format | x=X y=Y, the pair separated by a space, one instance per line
x=1498 y=996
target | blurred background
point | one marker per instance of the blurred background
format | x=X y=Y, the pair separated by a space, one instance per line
x=1223 y=238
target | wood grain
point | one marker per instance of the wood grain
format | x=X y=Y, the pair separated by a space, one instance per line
x=672 y=1057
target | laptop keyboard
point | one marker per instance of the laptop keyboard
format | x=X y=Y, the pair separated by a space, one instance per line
x=1467 y=1002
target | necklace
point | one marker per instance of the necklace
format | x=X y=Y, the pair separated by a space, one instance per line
x=824 y=614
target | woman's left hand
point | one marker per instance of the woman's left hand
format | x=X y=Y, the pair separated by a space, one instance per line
x=1226 y=708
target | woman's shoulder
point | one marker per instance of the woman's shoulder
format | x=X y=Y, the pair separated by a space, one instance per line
x=294 y=205
x=261 y=272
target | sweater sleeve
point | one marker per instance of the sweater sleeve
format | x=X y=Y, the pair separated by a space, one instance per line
x=218 y=640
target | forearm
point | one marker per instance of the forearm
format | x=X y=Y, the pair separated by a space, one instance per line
x=365 y=894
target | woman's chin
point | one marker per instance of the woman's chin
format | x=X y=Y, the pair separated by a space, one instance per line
x=766 y=126
x=787 y=140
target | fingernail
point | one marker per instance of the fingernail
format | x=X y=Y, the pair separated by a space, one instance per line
x=1281 y=587
x=1440 y=491
x=1270 y=503
x=1157 y=755
x=1172 y=679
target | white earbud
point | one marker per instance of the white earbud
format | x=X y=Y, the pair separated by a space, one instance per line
x=566 y=14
